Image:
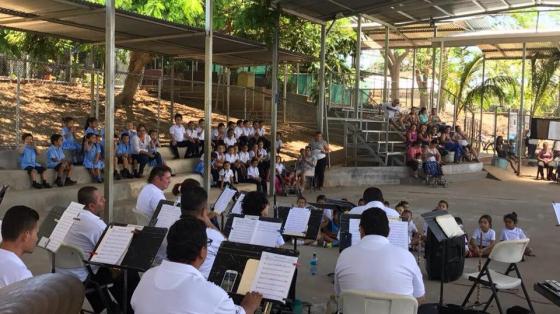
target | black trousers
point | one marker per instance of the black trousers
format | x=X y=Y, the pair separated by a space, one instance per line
x=104 y=276
x=320 y=172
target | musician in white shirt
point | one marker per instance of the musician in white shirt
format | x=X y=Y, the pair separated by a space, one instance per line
x=392 y=270
x=177 y=133
x=178 y=286
x=374 y=198
x=152 y=193
x=19 y=236
x=194 y=202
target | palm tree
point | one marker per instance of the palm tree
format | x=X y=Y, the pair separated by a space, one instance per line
x=543 y=68
x=491 y=87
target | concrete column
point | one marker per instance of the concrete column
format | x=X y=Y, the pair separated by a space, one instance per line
x=228 y=91
x=321 y=98
x=357 y=66
x=172 y=92
x=481 y=103
x=274 y=103
x=440 y=74
x=413 y=77
x=208 y=94
x=386 y=65
x=285 y=94
x=433 y=71
x=109 y=108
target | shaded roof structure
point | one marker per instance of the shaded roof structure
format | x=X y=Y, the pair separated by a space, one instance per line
x=85 y=22
x=403 y=12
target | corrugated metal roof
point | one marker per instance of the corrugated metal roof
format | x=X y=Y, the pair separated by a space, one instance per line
x=85 y=22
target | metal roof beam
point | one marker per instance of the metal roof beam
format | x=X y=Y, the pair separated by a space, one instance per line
x=154 y=38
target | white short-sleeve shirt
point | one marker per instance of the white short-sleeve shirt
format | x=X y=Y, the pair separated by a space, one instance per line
x=391 y=213
x=230 y=141
x=512 y=234
x=148 y=199
x=253 y=172
x=487 y=237
x=177 y=132
x=84 y=233
x=12 y=268
x=226 y=175
x=238 y=132
x=374 y=264
x=244 y=157
x=217 y=239
x=232 y=158
x=180 y=289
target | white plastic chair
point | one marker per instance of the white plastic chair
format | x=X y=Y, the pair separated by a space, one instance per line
x=141 y=218
x=509 y=252
x=366 y=302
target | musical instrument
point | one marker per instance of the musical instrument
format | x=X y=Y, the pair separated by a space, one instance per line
x=549 y=289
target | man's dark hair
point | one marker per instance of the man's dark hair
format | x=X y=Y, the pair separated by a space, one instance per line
x=85 y=195
x=374 y=221
x=158 y=171
x=254 y=203
x=186 y=237
x=185 y=185
x=178 y=115
x=193 y=200
x=321 y=197
x=55 y=137
x=373 y=194
x=17 y=220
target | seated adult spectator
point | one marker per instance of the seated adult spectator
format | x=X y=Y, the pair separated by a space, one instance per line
x=84 y=234
x=423 y=135
x=431 y=160
x=393 y=270
x=19 y=236
x=414 y=157
x=411 y=135
x=446 y=140
x=423 y=117
x=503 y=151
x=28 y=162
x=152 y=193
x=140 y=149
x=373 y=197
x=434 y=119
x=178 y=285
x=194 y=203
x=392 y=113
x=468 y=150
x=411 y=118
x=177 y=134
x=544 y=160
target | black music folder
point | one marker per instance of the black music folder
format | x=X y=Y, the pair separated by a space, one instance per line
x=345 y=234
x=128 y=247
x=313 y=225
x=240 y=268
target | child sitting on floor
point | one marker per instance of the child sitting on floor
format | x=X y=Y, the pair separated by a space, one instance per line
x=483 y=238
x=226 y=175
x=28 y=161
x=57 y=161
x=513 y=232
x=92 y=157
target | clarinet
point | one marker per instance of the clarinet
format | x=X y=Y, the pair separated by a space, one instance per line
x=477 y=302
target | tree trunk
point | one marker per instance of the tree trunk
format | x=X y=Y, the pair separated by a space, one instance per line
x=443 y=95
x=395 y=71
x=422 y=82
x=135 y=69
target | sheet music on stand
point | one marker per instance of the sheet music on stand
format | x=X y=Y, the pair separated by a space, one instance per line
x=556 y=207
x=237 y=209
x=56 y=238
x=252 y=230
x=223 y=200
x=297 y=222
x=398 y=232
x=113 y=245
x=273 y=276
x=165 y=215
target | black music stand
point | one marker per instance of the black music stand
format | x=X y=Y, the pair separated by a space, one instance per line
x=234 y=256
x=313 y=226
x=228 y=207
x=47 y=228
x=345 y=240
x=139 y=256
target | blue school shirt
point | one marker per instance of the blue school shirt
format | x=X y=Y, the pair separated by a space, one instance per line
x=54 y=156
x=69 y=142
x=89 y=157
x=90 y=130
x=123 y=149
x=28 y=158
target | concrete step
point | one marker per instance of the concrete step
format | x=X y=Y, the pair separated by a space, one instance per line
x=19 y=180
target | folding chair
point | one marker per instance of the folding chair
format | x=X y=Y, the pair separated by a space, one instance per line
x=509 y=252
x=366 y=302
x=141 y=218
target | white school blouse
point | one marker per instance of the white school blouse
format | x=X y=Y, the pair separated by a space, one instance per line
x=12 y=268
x=487 y=237
x=230 y=141
x=253 y=172
x=244 y=157
x=177 y=132
x=226 y=175
x=512 y=234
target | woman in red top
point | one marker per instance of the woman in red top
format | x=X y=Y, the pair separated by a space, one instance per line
x=414 y=157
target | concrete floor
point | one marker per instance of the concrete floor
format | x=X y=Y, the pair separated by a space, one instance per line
x=468 y=200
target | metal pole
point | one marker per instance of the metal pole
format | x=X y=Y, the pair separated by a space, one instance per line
x=244 y=103
x=109 y=107
x=520 y=119
x=160 y=83
x=172 y=96
x=508 y=115
x=321 y=99
x=97 y=98
x=433 y=71
x=285 y=94
x=481 y=103
x=18 y=102
x=208 y=94
x=440 y=74
x=92 y=82
x=495 y=127
x=274 y=103
x=386 y=65
x=228 y=92
x=413 y=78
x=192 y=75
x=357 y=65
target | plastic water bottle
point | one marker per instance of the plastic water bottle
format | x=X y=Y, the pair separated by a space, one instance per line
x=313 y=264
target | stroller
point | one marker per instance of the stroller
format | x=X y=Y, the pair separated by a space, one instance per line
x=434 y=174
x=289 y=182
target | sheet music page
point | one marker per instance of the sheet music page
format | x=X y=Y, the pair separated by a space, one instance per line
x=274 y=276
x=556 y=207
x=297 y=221
x=223 y=200
x=167 y=216
x=242 y=230
x=354 y=229
x=398 y=233
x=114 y=245
x=248 y=276
x=266 y=233
x=449 y=226
x=237 y=206
x=63 y=226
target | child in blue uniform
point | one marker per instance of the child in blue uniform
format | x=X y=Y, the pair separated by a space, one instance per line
x=57 y=161
x=70 y=144
x=92 y=157
x=28 y=161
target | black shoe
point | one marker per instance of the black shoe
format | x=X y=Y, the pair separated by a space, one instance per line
x=69 y=181
x=129 y=175
x=58 y=182
x=36 y=185
x=116 y=175
x=46 y=185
